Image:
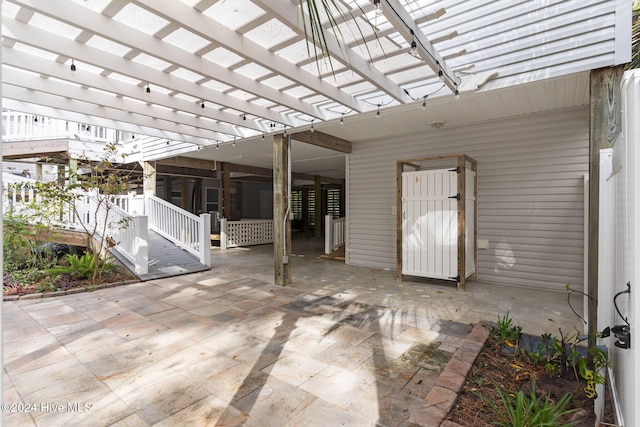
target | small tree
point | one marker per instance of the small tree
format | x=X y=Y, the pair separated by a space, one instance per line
x=102 y=180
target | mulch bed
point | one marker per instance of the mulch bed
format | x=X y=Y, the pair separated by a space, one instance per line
x=112 y=278
x=494 y=367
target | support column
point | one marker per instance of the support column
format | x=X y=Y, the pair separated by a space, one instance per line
x=73 y=171
x=317 y=230
x=225 y=182
x=305 y=211
x=281 y=226
x=39 y=172
x=184 y=193
x=149 y=177
x=605 y=125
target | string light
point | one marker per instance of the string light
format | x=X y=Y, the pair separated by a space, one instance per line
x=148 y=88
x=378 y=112
x=342 y=120
x=233 y=144
x=202 y=105
x=312 y=129
x=457 y=94
x=424 y=97
x=73 y=66
x=377 y=6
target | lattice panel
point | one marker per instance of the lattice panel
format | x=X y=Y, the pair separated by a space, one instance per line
x=245 y=233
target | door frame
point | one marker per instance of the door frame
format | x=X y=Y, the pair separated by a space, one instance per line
x=463 y=161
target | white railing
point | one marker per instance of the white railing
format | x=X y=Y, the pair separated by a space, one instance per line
x=117 y=227
x=131 y=203
x=18 y=126
x=190 y=232
x=93 y=212
x=333 y=233
x=245 y=232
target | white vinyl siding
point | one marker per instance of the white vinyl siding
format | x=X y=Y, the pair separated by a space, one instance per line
x=530 y=195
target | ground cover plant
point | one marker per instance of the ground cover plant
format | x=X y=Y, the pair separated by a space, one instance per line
x=520 y=380
x=34 y=265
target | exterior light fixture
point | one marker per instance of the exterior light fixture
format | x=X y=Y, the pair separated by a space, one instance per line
x=414 y=49
x=73 y=66
x=377 y=6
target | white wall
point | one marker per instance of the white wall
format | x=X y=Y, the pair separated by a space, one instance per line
x=530 y=195
x=626 y=160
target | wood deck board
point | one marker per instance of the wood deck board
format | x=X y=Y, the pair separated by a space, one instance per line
x=165 y=259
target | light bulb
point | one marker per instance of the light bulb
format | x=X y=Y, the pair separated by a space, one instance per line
x=377 y=6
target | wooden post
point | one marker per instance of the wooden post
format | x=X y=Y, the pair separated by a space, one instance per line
x=305 y=210
x=149 y=177
x=462 y=219
x=225 y=203
x=605 y=126
x=184 y=193
x=399 y=169
x=281 y=226
x=317 y=229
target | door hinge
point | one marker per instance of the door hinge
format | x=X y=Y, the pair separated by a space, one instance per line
x=456 y=170
x=457 y=197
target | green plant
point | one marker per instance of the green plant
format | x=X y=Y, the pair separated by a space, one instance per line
x=520 y=410
x=82 y=267
x=507 y=331
x=547 y=351
x=104 y=182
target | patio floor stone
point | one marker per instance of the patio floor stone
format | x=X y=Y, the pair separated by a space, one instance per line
x=342 y=346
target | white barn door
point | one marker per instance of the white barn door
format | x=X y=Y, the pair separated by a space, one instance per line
x=430 y=224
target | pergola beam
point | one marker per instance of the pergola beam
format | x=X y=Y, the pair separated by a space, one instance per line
x=324 y=140
x=405 y=25
x=290 y=16
x=205 y=27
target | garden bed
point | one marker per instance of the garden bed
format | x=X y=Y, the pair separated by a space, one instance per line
x=500 y=369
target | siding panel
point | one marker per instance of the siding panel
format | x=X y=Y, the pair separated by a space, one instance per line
x=530 y=195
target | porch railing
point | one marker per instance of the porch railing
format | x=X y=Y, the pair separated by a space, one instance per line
x=128 y=233
x=245 y=232
x=18 y=126
x=333 y=233
x=189 y=231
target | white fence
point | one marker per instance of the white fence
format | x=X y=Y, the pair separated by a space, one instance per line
x=333 y=233
x=189 y=231
x=245 y=233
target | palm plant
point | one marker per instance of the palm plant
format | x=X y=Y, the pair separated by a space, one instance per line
x=319 y=14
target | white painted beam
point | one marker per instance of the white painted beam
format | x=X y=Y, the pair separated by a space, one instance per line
x=85 y=112
x=127 y=36
x=286 y=12
x=402 y=21
x=205 y=27
x=120 y=89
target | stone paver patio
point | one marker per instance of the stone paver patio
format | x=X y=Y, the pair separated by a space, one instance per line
x=222 y=348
